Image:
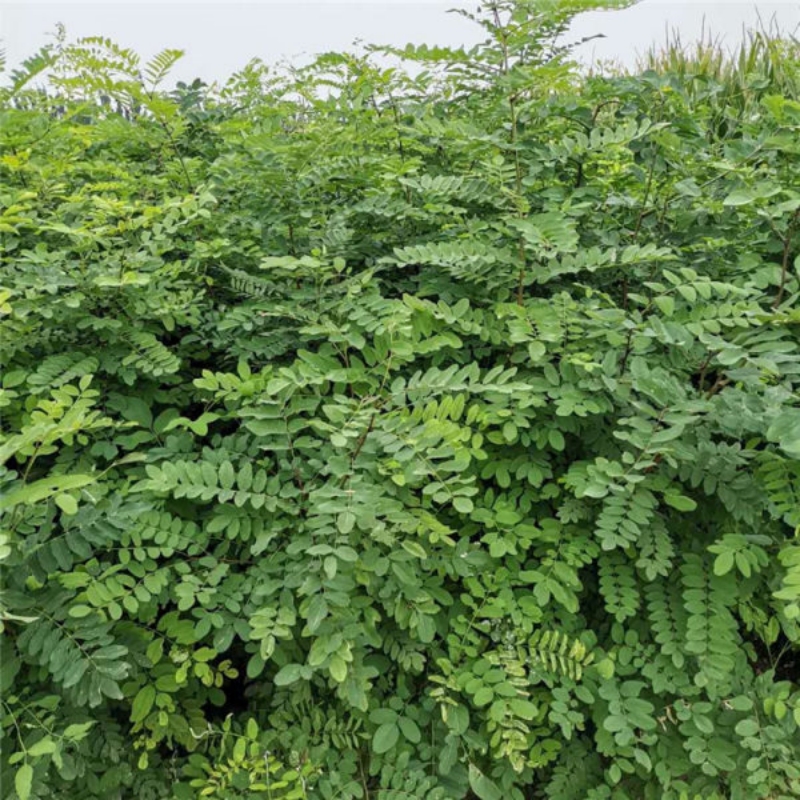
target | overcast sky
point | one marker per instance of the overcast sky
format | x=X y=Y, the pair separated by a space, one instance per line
x=221 y=37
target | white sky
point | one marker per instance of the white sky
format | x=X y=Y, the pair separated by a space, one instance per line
x=221 y=37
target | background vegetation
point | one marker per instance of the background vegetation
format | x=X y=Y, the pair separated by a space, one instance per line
x=369 y=436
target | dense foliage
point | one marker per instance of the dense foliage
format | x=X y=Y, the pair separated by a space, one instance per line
x=377 y=436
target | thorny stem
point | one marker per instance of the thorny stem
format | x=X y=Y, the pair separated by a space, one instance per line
x=646 y=198
x=512 y=138
x=720 y=383
x=701 y=383
x=642 y=214
x=362 y=439
x=189 y=185
x=400 y=149
x=787 y=250
x=363 y=777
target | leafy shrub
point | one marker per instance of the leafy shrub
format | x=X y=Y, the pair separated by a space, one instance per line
x=377 y=436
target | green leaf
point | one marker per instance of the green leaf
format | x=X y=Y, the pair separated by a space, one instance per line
x=42 y=489
x=409 y=729
x=67 y=503
x=505 y=517
x=605 y=668
x=785 y=429
x=665 y=304
x=723 y=563
x=346 y=521
x=381 y=716
x=483 y=696
x=240 y=750
x=317 y=611
x=155 y=651
x=23 y=781
x=523 y=708
x=205 y=654
x=77 y=731
x=43 y=747
x=143 y=703
x=338 y=668
x=747 y=727
x=536 y=351
x=415 y=548
x=426 y=628
x=463 y=505
x=704 y=724
x=740 y=197
x=288 y=674
x=484 y=788
x=227 y=476
x=680 y=502
x=740 y=703
x=385 y=737
x=456 y=718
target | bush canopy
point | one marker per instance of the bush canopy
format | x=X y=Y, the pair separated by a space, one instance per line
x=380 y=433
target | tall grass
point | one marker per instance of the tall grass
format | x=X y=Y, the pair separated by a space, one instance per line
x=765 y=61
